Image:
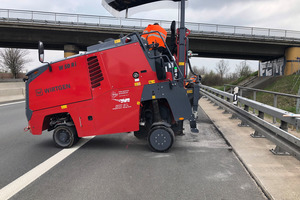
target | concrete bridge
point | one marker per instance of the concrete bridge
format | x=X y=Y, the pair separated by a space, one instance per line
x=74 y=32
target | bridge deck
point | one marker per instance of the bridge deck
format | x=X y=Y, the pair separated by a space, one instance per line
x=22 y=29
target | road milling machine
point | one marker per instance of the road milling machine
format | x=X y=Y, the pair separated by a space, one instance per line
x=120 y=85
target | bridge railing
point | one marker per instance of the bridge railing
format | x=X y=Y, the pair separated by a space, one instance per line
x=280 y=135
x=51 y=18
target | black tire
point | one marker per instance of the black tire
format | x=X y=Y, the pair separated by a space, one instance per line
x=161 y=138
x=65 y=136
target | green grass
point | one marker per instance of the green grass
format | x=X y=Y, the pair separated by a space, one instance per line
x=285 y=84
x=219 y=87
x=241 y=79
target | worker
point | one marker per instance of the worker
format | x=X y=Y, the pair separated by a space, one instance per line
x=194 y=79
x=155 y=37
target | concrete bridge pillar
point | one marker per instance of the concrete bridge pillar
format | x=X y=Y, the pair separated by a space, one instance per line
x=292 y=57
x=70 y=50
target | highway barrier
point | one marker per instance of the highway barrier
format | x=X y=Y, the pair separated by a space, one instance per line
x=12 y=91
x=286 y=142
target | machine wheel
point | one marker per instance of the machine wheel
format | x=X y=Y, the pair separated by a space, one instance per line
x=65 y=136
x=161 y=138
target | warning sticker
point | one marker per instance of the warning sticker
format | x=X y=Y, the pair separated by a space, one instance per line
x=122 y=97
x=64 y=107
x=137 y=84
x=151 y=81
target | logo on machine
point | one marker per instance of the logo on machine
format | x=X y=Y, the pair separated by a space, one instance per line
x=57 y=88
x=125 y=100
x=39 y=92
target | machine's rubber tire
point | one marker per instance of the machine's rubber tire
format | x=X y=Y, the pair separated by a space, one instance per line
x=65 y=136
x=161 y=138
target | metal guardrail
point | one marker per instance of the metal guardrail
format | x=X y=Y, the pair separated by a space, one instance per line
x=285 y=141
x=258 y=90
x=51 y=18
x=275 y=94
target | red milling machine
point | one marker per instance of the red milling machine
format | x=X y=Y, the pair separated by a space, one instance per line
x=120 y=85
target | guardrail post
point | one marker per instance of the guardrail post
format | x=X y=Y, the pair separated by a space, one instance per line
x=284 y=126
x=233 y=116
x=246 y=108
x=254 y=98
x=243 y=123
x=275 y=105
x=241 y=95
x=225 y=111
x=257 y=134
x=298 y=104
x=285 y=33
x=278 y=150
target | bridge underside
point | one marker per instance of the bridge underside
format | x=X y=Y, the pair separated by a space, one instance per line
x=26 y=36
x=234 y=49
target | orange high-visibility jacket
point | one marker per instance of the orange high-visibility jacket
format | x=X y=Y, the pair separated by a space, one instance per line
x=155 y=37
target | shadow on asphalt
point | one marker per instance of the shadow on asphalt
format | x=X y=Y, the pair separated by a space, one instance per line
x=116 y=142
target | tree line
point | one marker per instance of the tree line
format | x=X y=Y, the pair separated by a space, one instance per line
x=220 y=75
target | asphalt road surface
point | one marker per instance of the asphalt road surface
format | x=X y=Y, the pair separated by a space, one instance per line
x=119 y=166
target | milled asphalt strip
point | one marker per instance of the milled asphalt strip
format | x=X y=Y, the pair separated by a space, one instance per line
x=23 y=181
x=8 y=104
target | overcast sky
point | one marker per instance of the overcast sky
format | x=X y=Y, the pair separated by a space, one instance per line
x=279 y=14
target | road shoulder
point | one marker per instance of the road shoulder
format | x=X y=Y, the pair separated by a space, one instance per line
x=278 y=176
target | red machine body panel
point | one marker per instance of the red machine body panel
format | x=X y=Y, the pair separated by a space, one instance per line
x=117 y=109
x=78 y=111
x=109 y=103
x=68 y=82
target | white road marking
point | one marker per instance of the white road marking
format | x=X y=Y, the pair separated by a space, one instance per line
x=23 y=181
x=8 y=104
